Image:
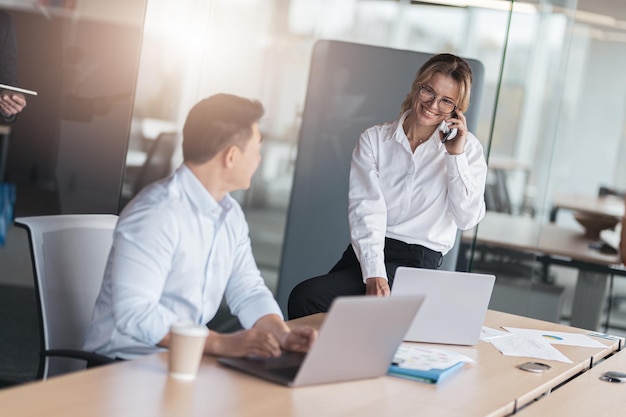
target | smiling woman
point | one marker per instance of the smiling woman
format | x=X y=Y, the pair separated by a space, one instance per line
x=408 y=193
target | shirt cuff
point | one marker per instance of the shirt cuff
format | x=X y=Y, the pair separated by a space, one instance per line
x=373 y=267
x=8 y=118
x=256 y=309
x=457 y=165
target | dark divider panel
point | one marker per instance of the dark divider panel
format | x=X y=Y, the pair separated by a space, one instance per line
x=68 y=147
x=351 y=87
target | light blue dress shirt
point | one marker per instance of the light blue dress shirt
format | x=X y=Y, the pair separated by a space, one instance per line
x=176 y=252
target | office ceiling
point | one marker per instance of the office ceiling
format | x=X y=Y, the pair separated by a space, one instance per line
x=607 y=10
x=615 y=9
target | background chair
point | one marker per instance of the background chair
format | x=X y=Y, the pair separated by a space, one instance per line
x=604 y=191
x=69 y=254
x=159 y=161
x=496 y=192
x=158 y=164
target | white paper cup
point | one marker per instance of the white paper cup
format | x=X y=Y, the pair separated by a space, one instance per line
x=186 y=348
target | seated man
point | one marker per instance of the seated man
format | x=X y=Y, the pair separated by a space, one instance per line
x=182 y=244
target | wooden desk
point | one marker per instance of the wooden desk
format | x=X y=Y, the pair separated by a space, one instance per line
x=556 y=245
x=586 y=395
x=490 y=387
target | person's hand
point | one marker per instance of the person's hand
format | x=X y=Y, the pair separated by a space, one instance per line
x=456 y=146
x=299 y=339
x=12 y=103
x=252 y=342
x=377 y=286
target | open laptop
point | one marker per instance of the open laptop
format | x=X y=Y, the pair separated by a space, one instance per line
x=357 y=340
x=455 y=305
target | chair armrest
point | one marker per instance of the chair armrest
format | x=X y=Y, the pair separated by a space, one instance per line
x=93 y=359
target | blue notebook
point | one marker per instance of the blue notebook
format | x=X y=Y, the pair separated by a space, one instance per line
x=425 y=364
x=432 y=376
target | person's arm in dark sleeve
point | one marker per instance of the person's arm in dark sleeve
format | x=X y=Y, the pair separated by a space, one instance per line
x=11 y=102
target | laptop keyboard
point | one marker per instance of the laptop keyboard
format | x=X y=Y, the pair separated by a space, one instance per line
x=286 y=360
x=289 y=373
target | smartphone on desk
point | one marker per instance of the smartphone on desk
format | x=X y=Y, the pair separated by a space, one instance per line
x=448 y=134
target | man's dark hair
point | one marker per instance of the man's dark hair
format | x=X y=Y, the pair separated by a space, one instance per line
x=216 y=123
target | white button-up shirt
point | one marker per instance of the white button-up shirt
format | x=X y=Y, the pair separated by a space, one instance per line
x=418 y=198
x=176 y=252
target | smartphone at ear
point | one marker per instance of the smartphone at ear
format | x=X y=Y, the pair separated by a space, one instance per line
x=448 y=134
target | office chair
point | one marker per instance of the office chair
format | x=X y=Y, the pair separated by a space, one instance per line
x=158 y=165
x=603 y=191
x=496 y=192
x=69 y=254
x=159 y=160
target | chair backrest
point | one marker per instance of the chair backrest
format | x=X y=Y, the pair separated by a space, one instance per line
x=69 y=254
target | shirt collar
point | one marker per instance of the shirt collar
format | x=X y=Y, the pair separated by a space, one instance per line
x=398 y=129
x=400 y=136
x=200 y=196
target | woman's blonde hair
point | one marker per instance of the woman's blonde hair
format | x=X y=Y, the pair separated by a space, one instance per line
x=447 y=64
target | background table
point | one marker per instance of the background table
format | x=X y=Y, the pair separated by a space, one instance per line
x=490 y=387
x=607 y=206
x=553 y=244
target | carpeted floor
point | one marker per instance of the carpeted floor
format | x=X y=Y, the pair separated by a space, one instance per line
x=19 y=335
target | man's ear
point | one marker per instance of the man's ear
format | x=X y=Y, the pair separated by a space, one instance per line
x=231 y=156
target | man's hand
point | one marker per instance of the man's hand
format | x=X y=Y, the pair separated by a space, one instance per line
x=299 y=339
x=12 y=103
x=377 y=286
x=252 y=342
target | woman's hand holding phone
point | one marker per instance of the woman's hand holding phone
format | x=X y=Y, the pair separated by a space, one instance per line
x=453 y=133
x=448 y=132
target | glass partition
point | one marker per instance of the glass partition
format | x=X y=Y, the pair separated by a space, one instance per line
x=551 y=119
x=557 y=141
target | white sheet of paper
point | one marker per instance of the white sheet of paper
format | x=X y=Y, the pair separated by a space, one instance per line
x=414 y=356
x=559 y=338
x=488 y=333
x=528 y=346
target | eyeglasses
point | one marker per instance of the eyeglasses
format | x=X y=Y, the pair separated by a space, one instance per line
x=427 y=94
